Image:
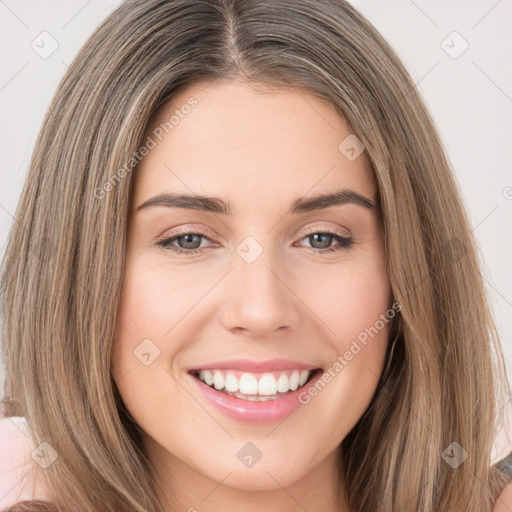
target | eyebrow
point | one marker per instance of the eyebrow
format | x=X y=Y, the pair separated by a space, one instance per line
x=217 y=205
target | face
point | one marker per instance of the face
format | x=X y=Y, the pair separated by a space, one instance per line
x=279 y=302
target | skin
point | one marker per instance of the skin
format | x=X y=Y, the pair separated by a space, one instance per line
x=504 y=502
x=260 y=151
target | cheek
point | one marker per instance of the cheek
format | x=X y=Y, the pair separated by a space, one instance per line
x=156 y=296
x=137 y=352
x=354 y=306
x=361 y=305
x=348 y=300
x=142 y=353
x=146 y=299
x=154 y=317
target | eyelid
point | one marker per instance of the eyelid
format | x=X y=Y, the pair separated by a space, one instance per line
x=344 y=242
x=324 y=229
x=203 y=231
x=187 y=230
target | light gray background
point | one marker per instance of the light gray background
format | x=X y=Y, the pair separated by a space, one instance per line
x=469 y=96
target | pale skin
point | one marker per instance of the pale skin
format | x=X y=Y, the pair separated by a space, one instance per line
x=259 y=152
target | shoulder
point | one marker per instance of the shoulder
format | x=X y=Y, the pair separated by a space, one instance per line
x=504 y=501
x=21 y=478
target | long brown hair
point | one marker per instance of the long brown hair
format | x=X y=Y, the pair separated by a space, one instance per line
x=63 y=267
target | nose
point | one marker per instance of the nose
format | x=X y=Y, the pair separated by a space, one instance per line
x=260 y=298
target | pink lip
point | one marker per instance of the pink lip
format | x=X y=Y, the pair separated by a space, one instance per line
x=252 y=366
x=247 y=411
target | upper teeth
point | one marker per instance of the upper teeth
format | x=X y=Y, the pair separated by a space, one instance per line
x=251 y=384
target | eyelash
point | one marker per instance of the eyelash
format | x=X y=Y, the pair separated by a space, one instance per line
x=344 y=242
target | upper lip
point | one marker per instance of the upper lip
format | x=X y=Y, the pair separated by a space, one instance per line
x=252 y=366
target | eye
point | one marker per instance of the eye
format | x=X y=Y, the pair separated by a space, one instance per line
x=189 y=242
x=321 y=241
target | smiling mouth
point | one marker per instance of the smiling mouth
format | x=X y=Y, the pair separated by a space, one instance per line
x=257 y=387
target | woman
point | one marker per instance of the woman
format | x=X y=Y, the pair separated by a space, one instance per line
x=241 y=276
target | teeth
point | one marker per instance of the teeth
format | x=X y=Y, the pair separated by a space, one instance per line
x=267 y=385
x=208 y=377
x=231 y=383
x=304 y=375
x=218 y=380
x=294 y=381
x=248 y=384
x=282 y=383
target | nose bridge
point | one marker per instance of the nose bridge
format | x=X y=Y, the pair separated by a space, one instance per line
x=261 y=301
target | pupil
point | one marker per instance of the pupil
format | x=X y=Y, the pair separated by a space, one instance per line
x=314 y=238
x=189 y=239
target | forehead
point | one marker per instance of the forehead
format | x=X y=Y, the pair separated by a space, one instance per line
x=253 y=145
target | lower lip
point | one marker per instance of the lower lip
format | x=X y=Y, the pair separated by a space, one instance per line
x=247 y=411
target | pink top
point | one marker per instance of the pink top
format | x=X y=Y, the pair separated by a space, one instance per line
x=21 y=477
